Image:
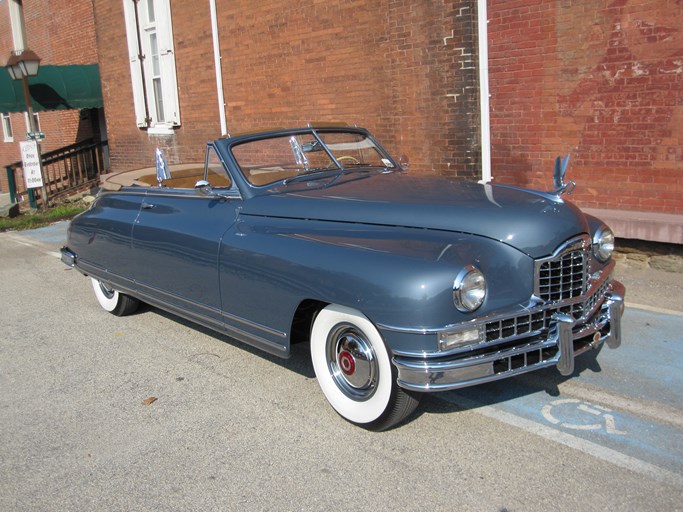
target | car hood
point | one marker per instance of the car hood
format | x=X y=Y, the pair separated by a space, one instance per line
x=533 y=222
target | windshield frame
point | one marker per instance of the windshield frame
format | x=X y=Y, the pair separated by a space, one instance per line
x=335 y=170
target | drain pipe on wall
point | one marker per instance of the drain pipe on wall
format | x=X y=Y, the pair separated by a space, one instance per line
x=484 y=106
x=217 y=64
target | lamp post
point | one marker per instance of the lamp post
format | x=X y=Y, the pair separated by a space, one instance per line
x=20 y=66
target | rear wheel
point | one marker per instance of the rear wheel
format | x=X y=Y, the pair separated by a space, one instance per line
x=354 y=370
x=115 y=302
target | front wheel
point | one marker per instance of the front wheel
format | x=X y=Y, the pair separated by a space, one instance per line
x=353 y=368
x=115 y=302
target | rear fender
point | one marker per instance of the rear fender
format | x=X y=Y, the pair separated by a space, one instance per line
x=101 y=236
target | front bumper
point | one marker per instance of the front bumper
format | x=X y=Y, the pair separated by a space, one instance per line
x=557 y=339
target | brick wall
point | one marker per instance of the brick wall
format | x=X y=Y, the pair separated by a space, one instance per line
x=5 y=30
x=131 y=147
x=402 y=69
x=60 y=33
x=600 y=78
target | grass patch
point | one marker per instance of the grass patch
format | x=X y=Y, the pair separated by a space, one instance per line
x=36 y=220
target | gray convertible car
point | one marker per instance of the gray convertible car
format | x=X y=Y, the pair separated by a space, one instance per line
x=402 y=284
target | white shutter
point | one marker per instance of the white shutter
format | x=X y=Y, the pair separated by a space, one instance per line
x=169 y=81
x=135 y=63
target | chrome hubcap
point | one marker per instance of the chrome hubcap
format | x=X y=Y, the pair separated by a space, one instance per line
x=106 y=291
x=352 y=362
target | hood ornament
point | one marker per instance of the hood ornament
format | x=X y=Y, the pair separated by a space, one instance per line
x=558 y=177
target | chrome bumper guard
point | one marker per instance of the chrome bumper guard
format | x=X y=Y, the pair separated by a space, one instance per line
x=567 y=339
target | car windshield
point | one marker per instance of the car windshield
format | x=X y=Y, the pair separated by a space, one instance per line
x=308 y=154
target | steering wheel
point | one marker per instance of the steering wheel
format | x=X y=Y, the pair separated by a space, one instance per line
x=352 y=159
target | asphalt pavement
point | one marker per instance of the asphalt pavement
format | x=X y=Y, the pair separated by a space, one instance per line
x=150 y=412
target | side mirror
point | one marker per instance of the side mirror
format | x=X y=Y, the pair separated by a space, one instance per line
x=404 y=162
x=203 y=187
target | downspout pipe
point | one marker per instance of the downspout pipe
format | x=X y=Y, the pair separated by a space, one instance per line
x=484 y=106
x=217 y=64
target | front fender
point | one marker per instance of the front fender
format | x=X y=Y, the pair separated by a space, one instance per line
x=396 y=276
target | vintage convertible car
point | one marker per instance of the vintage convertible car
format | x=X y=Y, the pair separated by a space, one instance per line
x=401 y=284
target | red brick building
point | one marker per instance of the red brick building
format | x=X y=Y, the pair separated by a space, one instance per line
x=600 y=79
x=61 y=34
x=604 y=80
x=402 y=69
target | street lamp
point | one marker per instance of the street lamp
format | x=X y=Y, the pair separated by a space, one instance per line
x=20 y=66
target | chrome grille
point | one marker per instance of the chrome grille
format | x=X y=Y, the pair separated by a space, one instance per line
x=585 y=308
x=538 y=322
x=531 y=357
x=562 y=277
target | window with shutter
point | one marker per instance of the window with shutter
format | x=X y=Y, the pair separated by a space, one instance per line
x=152 y=64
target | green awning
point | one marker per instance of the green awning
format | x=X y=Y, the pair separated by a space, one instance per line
x=54 y=88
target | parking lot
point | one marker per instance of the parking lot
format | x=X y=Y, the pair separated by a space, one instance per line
x=150 y=412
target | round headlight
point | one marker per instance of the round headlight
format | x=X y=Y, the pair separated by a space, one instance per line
x=603 y=244
x=469 y=289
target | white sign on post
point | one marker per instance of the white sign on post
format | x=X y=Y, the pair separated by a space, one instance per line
x=31 y=163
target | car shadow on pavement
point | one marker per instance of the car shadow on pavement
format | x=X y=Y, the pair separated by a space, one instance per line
x=299 y=361
x=546 y=380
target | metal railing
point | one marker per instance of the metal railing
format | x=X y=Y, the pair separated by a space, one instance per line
x=66 y=171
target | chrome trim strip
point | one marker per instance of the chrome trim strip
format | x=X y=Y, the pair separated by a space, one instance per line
x=155 y=292
x=215 y=324
x=425 y=380
x=89 y=269
x=444 y=366
x=153 y=296
x=192 y=193
x=255 y=325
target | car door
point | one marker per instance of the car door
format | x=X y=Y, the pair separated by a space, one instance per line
x=176 y=240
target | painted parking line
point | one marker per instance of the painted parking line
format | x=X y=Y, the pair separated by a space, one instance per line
x=35 y=244
x=571 y=440
x=642 y=438
x=54 y=234
x=625 y=407
x=45 y=239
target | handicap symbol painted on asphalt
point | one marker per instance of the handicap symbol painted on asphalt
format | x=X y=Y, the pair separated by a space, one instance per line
x=578 y=415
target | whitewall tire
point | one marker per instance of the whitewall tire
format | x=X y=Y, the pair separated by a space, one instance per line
x=354 y=370
x=111 y=300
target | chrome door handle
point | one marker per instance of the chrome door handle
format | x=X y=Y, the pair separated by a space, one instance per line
x=147 y=206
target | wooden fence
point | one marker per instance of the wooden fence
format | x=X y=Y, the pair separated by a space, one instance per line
x=66 y=170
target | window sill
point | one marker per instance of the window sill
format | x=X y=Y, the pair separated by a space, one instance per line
x=160 y=130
